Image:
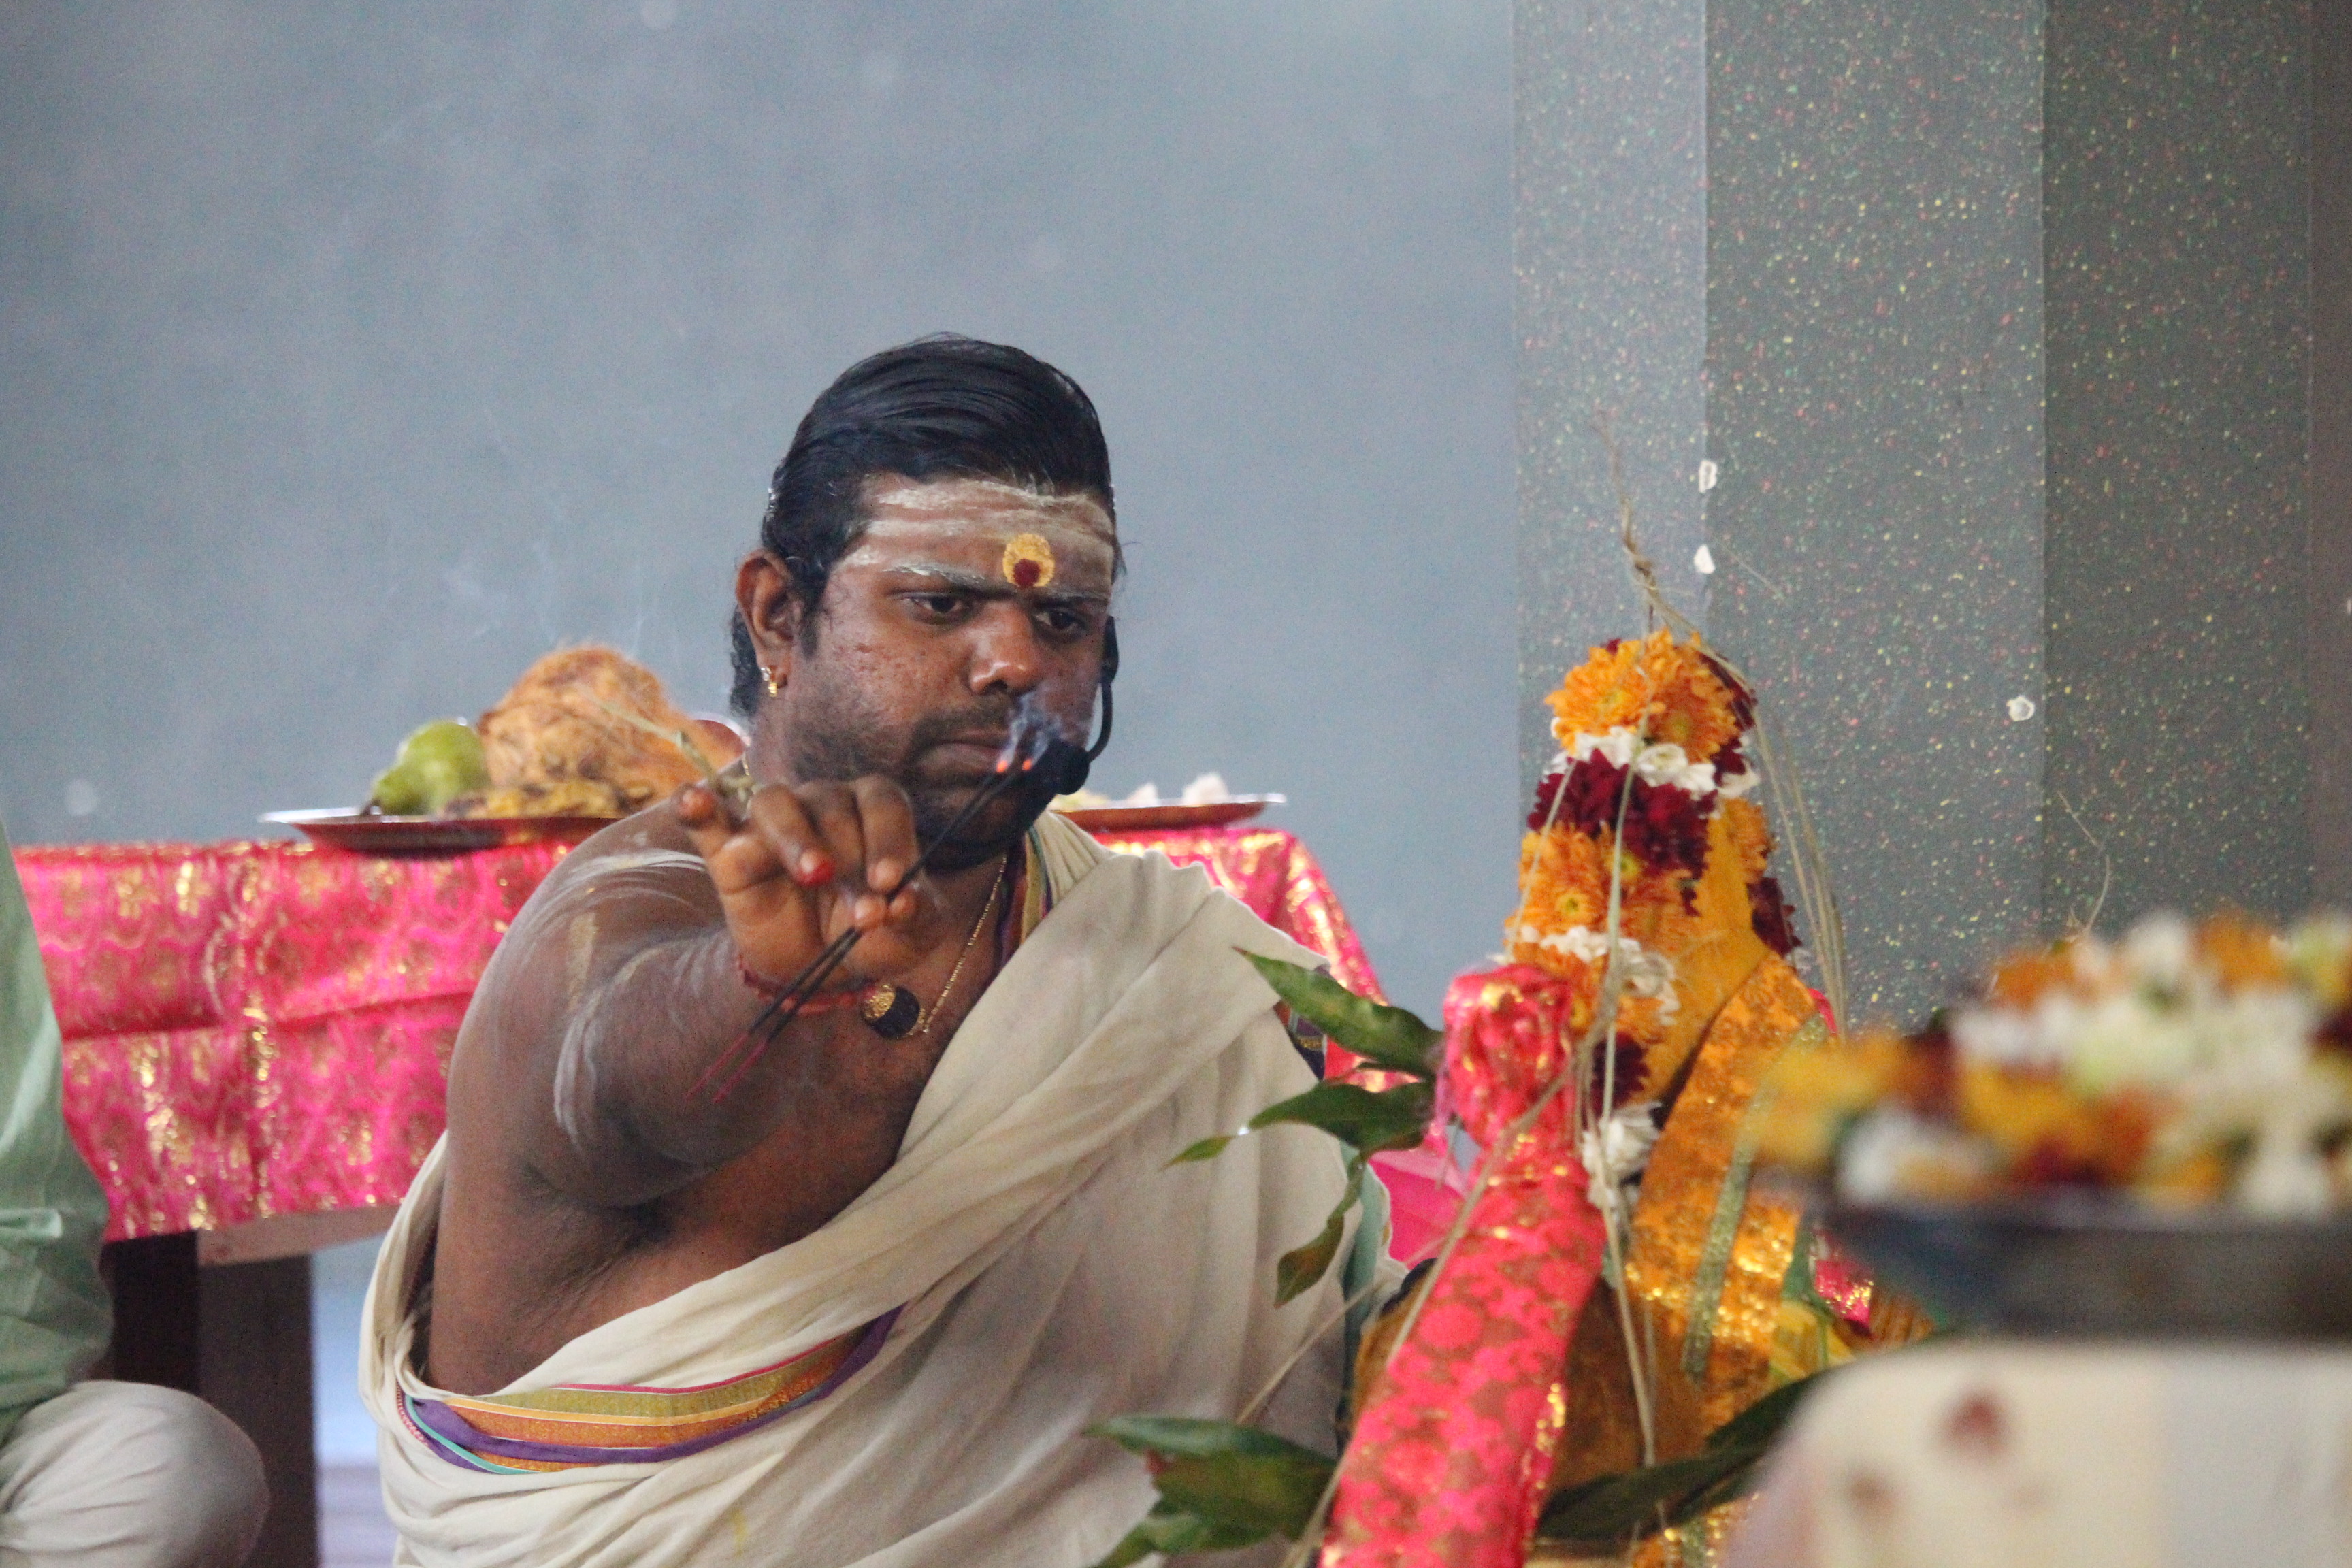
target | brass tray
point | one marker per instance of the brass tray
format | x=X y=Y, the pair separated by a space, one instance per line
x=373 y=833
x=2082 y=1264
x=1146 y=818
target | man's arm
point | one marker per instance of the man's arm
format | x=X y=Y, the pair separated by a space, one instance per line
x=605 y=1038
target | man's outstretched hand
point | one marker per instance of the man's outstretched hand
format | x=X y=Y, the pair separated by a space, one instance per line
x=804 y=865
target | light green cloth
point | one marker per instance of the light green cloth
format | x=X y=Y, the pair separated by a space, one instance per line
x=54 y=1313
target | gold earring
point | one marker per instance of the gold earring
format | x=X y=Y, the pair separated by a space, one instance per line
x=775 y=681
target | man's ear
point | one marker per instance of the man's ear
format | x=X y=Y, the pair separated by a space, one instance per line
x=769 y=602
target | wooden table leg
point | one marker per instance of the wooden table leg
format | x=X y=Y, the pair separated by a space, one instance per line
x=238 y=1335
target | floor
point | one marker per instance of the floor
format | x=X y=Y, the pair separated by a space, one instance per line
x=352 y=1529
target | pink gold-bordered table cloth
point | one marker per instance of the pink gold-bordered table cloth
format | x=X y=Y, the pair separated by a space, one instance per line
x=258 y=1030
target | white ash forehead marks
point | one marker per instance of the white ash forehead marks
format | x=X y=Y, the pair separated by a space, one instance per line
x=1029 y=537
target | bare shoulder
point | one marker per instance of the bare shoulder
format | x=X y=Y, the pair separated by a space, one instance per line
x=639 y=879
x=635 y=884
x=645 y=855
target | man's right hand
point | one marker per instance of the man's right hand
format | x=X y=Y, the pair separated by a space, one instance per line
x=807 y=863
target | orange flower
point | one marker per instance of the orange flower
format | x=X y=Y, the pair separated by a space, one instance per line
x=1564 y=882
x=1655 y=915
x=2022 y=981
x=2243 y=953
x=1653 y=684
x=1608 y=690
x=1815 y=1090
x=2051 y=1133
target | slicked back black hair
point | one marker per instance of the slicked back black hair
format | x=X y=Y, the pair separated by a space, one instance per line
x=937 y=408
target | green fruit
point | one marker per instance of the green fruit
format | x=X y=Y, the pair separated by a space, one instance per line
x=399 y=792
x=438 y=762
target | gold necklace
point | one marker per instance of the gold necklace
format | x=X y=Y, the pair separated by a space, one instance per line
x=887 y=1005
x=931 y=1014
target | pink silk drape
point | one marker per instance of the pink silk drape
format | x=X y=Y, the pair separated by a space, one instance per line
x=1453 y=1448
x=256 y=1029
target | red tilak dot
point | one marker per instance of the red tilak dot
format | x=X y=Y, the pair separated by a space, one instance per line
x=1024 y=574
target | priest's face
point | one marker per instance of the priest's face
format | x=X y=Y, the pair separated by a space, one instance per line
x=963 y=599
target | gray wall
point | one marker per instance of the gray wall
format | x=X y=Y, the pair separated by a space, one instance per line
x=1611 y=314
x=352 y=355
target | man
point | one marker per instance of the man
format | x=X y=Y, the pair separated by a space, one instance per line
x=95 y=1474
x=665 y=1295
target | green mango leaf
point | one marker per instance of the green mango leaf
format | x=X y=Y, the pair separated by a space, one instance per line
x=1233 y=1476
x=1759 y=1425
x=1194 y=1437
x=1133 y=1547
x=1366 y=1120
x=1383 y=1036
x=1613 y=1509
x=1301 y=1267
x=1168 y=1530
x=1206 y=1149
x=1238 y=1493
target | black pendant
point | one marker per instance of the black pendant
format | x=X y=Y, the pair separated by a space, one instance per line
x=891 y=1011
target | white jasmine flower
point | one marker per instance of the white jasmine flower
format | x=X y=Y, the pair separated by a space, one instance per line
x=1647 y=972
x=2285 y=1177
x=1997 y=1037
x=2159 y=950
x=1734 y=785
x=1615 y=1152
x=1666 y=763
x=1584 y=943
x=1662 y=764
x=1892 y=1155
x=1616 y=748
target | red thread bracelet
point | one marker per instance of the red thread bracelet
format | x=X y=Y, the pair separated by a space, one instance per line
x=820 y=1002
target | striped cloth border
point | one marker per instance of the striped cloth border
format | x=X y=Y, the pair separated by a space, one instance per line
x=575 y=1425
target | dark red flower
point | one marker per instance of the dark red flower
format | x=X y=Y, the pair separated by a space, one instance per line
x=1776 y=922
x=1929 y=1082
x=1664 y=827
x=1546 y=792
x=1743 y=701
x=1624 y=1077
x=2336 y=1033
x=1730 y=762
x=2049 y=1165
x=1591 y=792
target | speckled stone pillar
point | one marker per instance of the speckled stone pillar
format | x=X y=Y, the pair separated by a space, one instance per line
x=1611 y=243
x=2005 y=310
x=2175 y=197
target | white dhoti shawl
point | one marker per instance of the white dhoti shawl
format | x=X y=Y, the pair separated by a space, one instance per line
x=1049 y=1267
